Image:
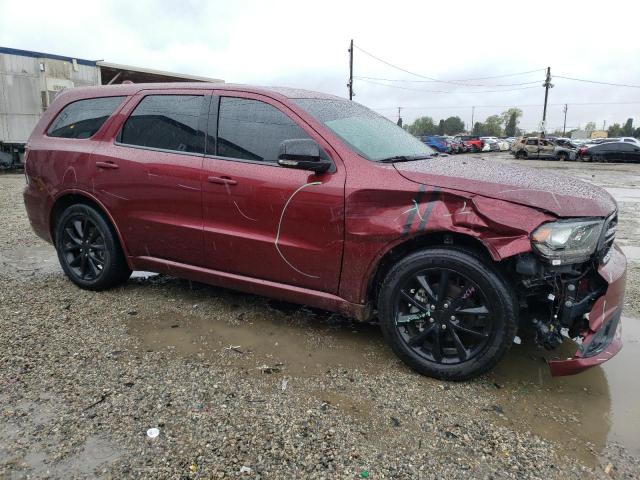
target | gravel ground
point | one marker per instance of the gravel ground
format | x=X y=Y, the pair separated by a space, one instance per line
x=242 y=387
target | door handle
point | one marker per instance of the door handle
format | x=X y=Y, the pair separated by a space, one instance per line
x=222 y=180
x=107 y=165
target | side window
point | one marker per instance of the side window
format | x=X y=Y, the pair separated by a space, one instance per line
x=532 y=141
x=82 y=119
x=624 y=147
x=167 y=122
x=253 y=130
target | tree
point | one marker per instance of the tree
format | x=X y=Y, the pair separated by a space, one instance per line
x=478 y=128
x=493 y=126
x=453 y=125
x=441 y=127
x=615 y=130
x=510 y=119
x=627 y=130
x=590 y=127
x=422 y=126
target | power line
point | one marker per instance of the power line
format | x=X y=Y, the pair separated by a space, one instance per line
x=599 y=83
x=509 y=106
x=442 y=91
x=432 y=81
x=455 y=82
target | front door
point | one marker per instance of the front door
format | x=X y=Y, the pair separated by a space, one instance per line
x=531 y=147
x=150 y=178
x=262 y=220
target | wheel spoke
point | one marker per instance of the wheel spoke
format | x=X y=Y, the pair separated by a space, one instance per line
x=469 y=331
x=443 y=284
x=413 y=301
x=93 y=235
x=422 y=280
x=75 y=262
x=99 y=262
x=72 y=236
x=92 y=265
x=462 y=351
x=83 y=266
x=481 y=310
x=437 y=345
x=419 y=339
x=71 y=248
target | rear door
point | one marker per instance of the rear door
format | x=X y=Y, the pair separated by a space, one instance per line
x=531 y=147
x=628 y=152
x=150 y=178
x=546 y=149
x=262 y=220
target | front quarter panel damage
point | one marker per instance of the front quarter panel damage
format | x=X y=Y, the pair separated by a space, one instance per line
x=377 y=220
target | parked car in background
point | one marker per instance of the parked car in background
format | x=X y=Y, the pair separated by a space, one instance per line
x=472 y=142
x=456 y=146
x=565 y=142
x=564 y=152
x=492 y=142
x=533 y=147
x=610 y=152
x=285 y=193
x=437 y=142
x=632 y=140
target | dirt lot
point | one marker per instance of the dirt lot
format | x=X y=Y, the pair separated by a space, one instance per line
x=234 y=381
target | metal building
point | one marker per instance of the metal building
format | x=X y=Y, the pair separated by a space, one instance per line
x=29 y=81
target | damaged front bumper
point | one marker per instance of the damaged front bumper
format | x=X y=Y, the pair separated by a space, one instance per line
x=603 y=337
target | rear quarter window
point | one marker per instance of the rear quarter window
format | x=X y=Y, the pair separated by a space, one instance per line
x=83 y=118
x=166 y=122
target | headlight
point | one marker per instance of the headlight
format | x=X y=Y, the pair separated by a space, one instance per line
x=565 y=242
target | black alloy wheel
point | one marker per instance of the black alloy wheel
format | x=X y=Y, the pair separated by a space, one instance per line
x=83 y=247
x=443 y=316
x=88 y=249
x=447 y=313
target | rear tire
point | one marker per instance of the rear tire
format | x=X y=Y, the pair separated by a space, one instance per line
x=522 y=155
x=562 y=156
x=88 y=249
x=455 y=301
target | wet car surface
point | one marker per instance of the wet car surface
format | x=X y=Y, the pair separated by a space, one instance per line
x=267 y=356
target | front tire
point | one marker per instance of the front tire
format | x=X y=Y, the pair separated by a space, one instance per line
x=447 y=313
x=88 y=249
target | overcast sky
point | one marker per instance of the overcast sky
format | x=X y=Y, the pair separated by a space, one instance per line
x=304 y=44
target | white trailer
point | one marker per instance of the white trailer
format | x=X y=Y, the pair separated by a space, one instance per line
x=29 y=81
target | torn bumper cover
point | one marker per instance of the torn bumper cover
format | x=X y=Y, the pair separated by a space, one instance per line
x=603 y=339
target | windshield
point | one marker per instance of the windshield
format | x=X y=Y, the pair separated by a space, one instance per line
x=371 y=135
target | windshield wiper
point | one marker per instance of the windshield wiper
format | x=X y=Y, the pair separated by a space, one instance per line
x=405 y=158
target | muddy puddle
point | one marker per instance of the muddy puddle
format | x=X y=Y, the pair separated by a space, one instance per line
x=584 y=412
x=291 y=340
x=598 y=406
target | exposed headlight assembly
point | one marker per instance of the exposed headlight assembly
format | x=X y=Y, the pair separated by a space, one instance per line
x=567 y=241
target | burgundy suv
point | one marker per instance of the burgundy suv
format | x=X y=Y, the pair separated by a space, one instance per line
x=313 y=199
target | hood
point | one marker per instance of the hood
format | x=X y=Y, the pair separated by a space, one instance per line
x=561 y=195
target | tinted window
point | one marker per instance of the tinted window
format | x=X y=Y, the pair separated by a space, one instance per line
x=83 y=118
x=167 y=122
x=253 y=130
x=532 y=142
x=624 y=147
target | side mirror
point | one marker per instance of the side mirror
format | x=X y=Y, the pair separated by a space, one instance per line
x=303 y=154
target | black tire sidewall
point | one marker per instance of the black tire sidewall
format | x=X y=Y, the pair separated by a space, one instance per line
x=499 y=297
x=115 y=267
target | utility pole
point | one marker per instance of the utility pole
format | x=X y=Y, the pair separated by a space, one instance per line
x=473 y=109
x=350 y=84
x=547 y=85
x=399 y=116
x=604 y=123
x=564 y=126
